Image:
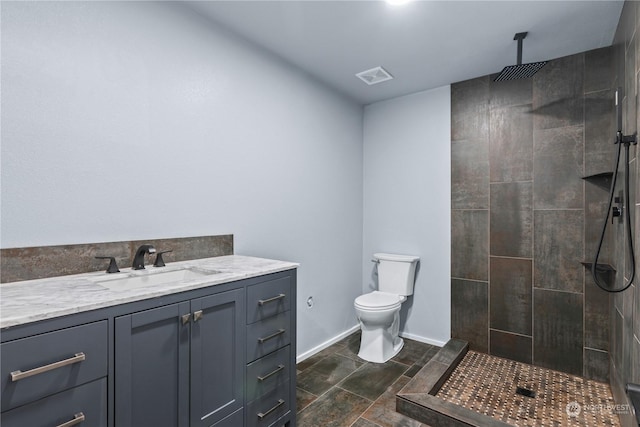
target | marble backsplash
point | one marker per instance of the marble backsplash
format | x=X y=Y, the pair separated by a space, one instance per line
x=39 y=262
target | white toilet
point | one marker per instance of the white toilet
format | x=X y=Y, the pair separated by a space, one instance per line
x=379 y=311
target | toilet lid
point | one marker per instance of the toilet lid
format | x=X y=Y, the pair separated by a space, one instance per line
x=380 y=300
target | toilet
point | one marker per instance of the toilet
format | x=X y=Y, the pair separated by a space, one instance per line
x=379 y=311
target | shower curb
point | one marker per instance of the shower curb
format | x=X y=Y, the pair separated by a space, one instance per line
x=418 y=400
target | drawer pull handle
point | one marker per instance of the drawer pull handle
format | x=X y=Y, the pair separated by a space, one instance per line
x=198 y=315
x=77 y=419
x=279 y=404
x=262 y=302
x=275 y=371
x=273 y=335
x=19 y=375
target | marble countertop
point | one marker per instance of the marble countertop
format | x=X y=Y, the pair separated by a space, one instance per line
x=34 y=300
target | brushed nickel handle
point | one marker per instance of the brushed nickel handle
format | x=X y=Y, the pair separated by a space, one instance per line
x=279 y=404
x=273 y=335
x=185 y=318
x=197 y=315
x=262 y=302
x=275 y=371
x=77 y=419
x=19 y=375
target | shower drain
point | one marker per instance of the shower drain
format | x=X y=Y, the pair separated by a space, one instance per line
x=525 y=392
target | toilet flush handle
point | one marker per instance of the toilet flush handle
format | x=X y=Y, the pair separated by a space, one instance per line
x=377 y=261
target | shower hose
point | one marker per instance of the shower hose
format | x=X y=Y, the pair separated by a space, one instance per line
x=626 y=217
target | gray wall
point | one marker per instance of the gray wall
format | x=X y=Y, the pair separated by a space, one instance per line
x=625 y=306
x=140 y=120
x=406 y=202
x=523 y=217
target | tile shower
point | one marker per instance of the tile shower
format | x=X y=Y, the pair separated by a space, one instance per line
x=520 y=209
x=523 y=217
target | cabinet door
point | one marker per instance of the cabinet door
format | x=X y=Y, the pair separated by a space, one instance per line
x=152 y=368
x=217 y=357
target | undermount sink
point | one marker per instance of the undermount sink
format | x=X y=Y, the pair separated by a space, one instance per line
x=145 y=279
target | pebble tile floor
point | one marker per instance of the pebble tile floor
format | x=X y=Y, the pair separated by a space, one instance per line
x=486 y=384
x=336 y=388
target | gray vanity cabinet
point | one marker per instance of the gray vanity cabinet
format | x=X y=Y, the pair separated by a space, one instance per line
x=181 y=364
x=221 y=355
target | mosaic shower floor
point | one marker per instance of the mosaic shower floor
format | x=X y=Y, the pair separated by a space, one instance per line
x=487 y=384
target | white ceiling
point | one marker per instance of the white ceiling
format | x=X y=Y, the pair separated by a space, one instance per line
x=423 y=44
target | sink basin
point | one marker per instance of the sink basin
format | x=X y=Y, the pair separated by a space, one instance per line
x=146 y=279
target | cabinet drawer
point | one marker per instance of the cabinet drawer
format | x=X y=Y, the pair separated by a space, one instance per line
x=52 y=362
x=268 y=335
x=267 y=299
x=269 y=408
x=233 y=420
x=267 y=373
x=88 y=402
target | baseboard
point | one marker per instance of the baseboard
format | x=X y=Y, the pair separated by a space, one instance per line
x=422 y=339
x=328 y=343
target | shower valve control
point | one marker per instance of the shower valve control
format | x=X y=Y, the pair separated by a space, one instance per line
x=616 y=211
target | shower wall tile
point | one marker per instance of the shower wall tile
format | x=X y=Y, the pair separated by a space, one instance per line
x=543 y=134
x=558 y=157
x=510 y=92
x=470 y=109
x=511 y=143
x=469 y=244
x=470 y=174
x=627 y=334
x=511 y=219
x=599 y=69
x=596 y=365
x=596 y=203
x=632 y=215
x=636 y=310
x=625 y=314
x=510 y=346
x=469 y=316
x=510 y=295
x=558 y=250
x=635 y=361
x=599 y=131
x=630 y=90
x=596 y=316
x=558 y=331
x=558 y=93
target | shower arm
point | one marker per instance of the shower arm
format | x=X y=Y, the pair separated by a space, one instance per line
x=519 y=37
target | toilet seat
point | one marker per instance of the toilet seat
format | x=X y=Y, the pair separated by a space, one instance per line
x=379 y=301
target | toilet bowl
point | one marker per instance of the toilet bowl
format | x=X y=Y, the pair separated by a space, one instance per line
x=379 y=316
x=379 y=311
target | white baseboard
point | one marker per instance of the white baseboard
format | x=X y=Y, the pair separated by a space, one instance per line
x=330 y=342
x=319 y=348
x=422 y=339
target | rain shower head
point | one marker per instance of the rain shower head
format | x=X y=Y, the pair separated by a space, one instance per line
x=519 y=71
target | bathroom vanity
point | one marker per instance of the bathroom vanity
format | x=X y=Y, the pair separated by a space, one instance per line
x=211 y=347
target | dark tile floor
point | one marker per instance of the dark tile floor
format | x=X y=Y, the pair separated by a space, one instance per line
x=336 y=388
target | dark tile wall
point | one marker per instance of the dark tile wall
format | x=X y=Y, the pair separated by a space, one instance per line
x=625 y=306
x=523 y=218
x=18 y=264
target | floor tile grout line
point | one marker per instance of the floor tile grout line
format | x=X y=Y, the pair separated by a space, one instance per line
x=356 y=394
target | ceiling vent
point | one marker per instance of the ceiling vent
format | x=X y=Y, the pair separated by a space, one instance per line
x=374 y=76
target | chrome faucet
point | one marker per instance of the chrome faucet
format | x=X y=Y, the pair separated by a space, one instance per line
x=138 y=260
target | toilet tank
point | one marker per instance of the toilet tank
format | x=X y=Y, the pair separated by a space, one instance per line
x=396 y=273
